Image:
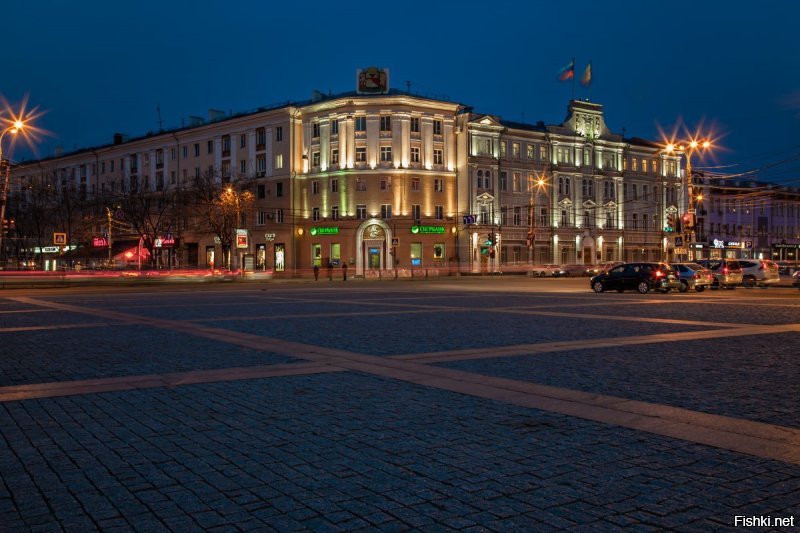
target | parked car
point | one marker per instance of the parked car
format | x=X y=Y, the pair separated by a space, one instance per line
x=593 y=270
x=727 y=272
x=693 y=276
x=796 y=279
x=642 y=277
x=566 y=271
x=543 y=271
x=759 y=272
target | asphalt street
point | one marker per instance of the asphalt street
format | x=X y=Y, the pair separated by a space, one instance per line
x=478 y=404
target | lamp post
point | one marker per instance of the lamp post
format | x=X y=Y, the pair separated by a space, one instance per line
x=14 y=128
x=539 y=182
x=689 y=148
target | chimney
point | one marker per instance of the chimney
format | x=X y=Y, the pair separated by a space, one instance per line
x=215 y=114
x=120 y=138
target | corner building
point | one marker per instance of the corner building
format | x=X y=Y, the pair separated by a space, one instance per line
x=392 y=184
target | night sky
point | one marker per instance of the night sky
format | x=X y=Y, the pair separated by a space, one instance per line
x=98 y=68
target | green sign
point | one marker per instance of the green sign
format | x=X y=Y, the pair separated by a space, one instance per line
x=427 y=229
x=333 y=230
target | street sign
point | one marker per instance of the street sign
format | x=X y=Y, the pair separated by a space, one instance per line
x=678 y=241
x=469 y=220
x=395 y=242
x=681 y=251
x=269 y=236
x=59 y=238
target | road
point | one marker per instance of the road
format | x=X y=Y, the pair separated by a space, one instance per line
x=480 y=404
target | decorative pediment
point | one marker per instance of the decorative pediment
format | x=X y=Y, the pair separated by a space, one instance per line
x=565 y=202
x=611 y=204
x=590 y=204
x=672 y=209
x=485 y=198
x=487 y=122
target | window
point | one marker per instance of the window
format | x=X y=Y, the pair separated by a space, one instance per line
x=645 y=192
x=480 y=178
x=634 y=191
x=516 y=183
x=503 y=180
x=587 y=219
x=185 y=152
x=315 y=214
x=415 y=212
x=386 y=123
x=314 y=159
x=503 y=149
x=517 y=221
x=279 y=216
x=361 y=185
x=361 y=211
x=315 y=129
x=438 y=185
x=438 y=251
x=159 y=160
x=262 y=218
x=515 y=150
x=415 y=184
x=334 y=156
x=197 y=149
x=386 y=154
x=315 y=187
x=529 y=153
x=437 y=127
x=279 y=133
x=242 y=166
x=414 y=124
x=226 y=144
x=361 y=154
x=361 y=123
x=261 y=164
x=173 y=177
x=261 y=191
x=386 y=211
x=437 y=157
x=564 y=218
x=645 y=221
x=210 y=147
x=334 y=127
x=102 y=167
x=242 y=140
x=563 y=155
x=634 y=219
x=197 y=173
x=334 y=185
x=261 y=136
x=279 y=189
x=416 y=254
x=385 y=184
x=438 y=212
x=542 y=152
x=609 y=220
x=279 y=161
x=415 y=154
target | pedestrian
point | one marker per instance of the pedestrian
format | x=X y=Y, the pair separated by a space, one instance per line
x=344 y=271
x=330 y=271
x=316 y=272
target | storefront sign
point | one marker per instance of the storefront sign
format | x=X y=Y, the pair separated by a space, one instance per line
x=241 y=238
x=330 y=230
x=426 y=230
x=51 y=249
x=164 y=242
x=99 y=242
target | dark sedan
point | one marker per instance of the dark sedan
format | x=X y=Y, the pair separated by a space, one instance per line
x=642 y=277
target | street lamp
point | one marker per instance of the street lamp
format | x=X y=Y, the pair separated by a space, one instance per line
x=16 y=126
x=689 y=148
x=539 y=182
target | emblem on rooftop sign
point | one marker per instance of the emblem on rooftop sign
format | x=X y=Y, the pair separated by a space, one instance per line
x=372 y=80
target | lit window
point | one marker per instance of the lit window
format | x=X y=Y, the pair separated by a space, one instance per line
x=386 y=123
x=361 y=123
x=315 y=214
x=437 y=127
x=386 y=211
x=437 y=157
x=415 y=184
x=439 y=212
x=415 y=154
x=386 y=153
x=361 y=154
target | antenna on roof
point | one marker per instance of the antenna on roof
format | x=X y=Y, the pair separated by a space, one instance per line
x=408 y=86
x=160 y=123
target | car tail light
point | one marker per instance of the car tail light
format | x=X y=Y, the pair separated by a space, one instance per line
x=659 y=274
x=725 y=271
x=761 y=266
x=696 y=276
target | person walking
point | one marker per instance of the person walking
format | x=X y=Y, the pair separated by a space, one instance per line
x=316 y=272
x=344 y=271
x=330 y=271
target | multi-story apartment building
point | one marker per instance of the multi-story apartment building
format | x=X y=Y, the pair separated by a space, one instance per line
x=576 y=192
x=741 y=218
x=390 y=181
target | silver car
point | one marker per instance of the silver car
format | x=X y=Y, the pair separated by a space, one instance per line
x=693 y=276
x=759 y=272
x=727 y=272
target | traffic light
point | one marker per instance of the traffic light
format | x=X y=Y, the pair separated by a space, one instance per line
x=490 y=239
x=687 y=220
x=530 y=239
x=670 y=227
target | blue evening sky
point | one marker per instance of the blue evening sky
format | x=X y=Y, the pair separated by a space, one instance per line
x=103 y=67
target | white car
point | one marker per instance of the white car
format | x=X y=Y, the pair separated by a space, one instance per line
x=759 y=272
x=543 y=271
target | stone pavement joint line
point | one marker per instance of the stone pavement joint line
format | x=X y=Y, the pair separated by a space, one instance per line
x=748 y=437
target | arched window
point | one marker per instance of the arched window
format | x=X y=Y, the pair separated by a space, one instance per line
x=480 y=179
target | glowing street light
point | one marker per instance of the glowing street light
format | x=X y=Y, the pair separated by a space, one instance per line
x=689 y=148
x=15 y=127
x=540 y=183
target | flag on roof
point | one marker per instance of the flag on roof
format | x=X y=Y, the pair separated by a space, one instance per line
x=568 y=72
x=586 y=79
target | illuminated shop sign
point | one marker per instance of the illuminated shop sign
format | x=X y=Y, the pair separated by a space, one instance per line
x=164 y=242
x=332 y=230
x=427 y=230
x=100 y=242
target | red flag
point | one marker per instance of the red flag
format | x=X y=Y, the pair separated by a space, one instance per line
x=568 y=72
